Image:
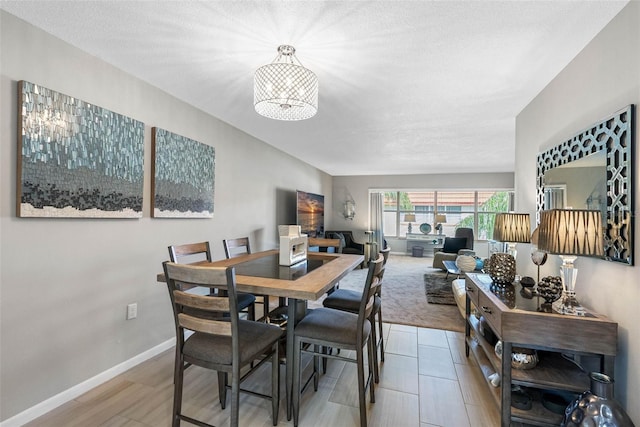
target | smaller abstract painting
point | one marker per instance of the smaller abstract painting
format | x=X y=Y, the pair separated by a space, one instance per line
x=76 y=159
x=183 y=176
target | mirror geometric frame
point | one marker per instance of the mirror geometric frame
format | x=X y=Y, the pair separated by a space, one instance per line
x=615 y=135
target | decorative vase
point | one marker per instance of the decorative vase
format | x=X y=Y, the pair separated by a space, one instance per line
x=596 y=407
x=549 y=288
x=521 y=357
x=466 y=263
x=502 y=268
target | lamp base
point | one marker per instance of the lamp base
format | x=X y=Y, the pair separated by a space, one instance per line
x=571 y=306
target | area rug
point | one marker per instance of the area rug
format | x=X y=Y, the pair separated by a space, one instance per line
x=438 y=289
x=404 y=301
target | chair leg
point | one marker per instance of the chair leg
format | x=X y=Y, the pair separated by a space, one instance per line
x=316 y=366
x=235 y=397
x=275 y=383
x=296 y=381
x=251 y=314
x=381 y=334
x=222 y=388
x=373 y=341
x=325 y=350
x=177 y=390
x=361 y=386
x=372 y=351
x=265 y=306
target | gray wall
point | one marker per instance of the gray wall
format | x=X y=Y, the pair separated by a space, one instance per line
x=601 y=80
x=358 y=187
x=65 y=283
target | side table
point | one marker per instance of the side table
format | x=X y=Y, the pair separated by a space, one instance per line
x=517 y=322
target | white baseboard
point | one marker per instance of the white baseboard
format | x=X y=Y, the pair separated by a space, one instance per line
x=75 y=391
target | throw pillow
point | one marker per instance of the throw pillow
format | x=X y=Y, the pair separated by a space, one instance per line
x=466 y=263
x=453 y=244
x=338 y=236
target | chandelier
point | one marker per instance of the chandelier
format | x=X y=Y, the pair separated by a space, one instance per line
x=284 y=89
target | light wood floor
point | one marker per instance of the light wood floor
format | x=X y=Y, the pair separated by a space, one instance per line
x=426 y=380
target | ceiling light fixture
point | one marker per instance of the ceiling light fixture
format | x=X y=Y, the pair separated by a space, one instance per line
x=284 y=89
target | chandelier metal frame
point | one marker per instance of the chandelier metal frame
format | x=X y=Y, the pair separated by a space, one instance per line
x=284 y=89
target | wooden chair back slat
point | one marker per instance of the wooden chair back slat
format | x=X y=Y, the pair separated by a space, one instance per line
x=201 y=302
x=180 y=251
x=330 y=243
x=208 y=326
x=198 y=275
x=385 y=254
x=371 y=298
x=236 y=247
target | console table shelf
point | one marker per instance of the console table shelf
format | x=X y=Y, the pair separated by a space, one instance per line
x=486 y=367
x=517 y=322
x=428 y=242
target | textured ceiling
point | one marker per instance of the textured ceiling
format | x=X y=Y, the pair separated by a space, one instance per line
x=406 y=87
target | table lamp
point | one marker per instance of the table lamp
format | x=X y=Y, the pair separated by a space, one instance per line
x=440 y=218
x=571 y=233
x=409 y=218
x=512 y=228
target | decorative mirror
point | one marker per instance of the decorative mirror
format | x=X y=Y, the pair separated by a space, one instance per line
x=594 y=169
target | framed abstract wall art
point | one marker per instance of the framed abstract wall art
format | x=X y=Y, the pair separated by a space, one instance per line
x=76 y=159
x=183 y=176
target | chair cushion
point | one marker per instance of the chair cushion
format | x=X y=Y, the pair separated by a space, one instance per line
x=344 y=299
x=245 y=300
x=332 y=326
x=458 y=286
x=453 y=244
x=254 y=338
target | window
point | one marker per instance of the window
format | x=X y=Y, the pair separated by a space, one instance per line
x=441 y=212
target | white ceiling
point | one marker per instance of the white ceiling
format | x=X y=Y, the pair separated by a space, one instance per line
x=406 y=87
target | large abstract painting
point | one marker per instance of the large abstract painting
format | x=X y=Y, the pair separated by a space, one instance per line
x=183 y=176
x=76 y=159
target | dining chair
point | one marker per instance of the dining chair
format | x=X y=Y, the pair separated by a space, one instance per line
x=349 y=300
x=220 y=340
x=193 y=252
x=241 y=246
x=326 y=327
x=324 y=244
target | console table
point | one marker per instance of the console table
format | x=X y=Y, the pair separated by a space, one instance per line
x=517 y=322
x=427 y=241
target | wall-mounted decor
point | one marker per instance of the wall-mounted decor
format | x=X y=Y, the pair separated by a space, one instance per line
x=75 y=159
x=183 y=176
x=610 y=140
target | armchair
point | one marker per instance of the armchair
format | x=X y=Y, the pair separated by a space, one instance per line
x=463 y=240
x=349 y=245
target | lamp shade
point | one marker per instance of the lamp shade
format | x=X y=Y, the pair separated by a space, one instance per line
x=571 y=232
x=512 y=228
x=441 y=218
x=409 y=217
x=284 y=89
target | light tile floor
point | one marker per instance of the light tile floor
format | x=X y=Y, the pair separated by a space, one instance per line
x=426 y=380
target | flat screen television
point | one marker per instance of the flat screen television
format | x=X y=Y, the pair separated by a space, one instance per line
x=310 y=213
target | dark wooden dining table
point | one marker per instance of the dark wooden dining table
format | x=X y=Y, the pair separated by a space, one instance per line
x=260 y=273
